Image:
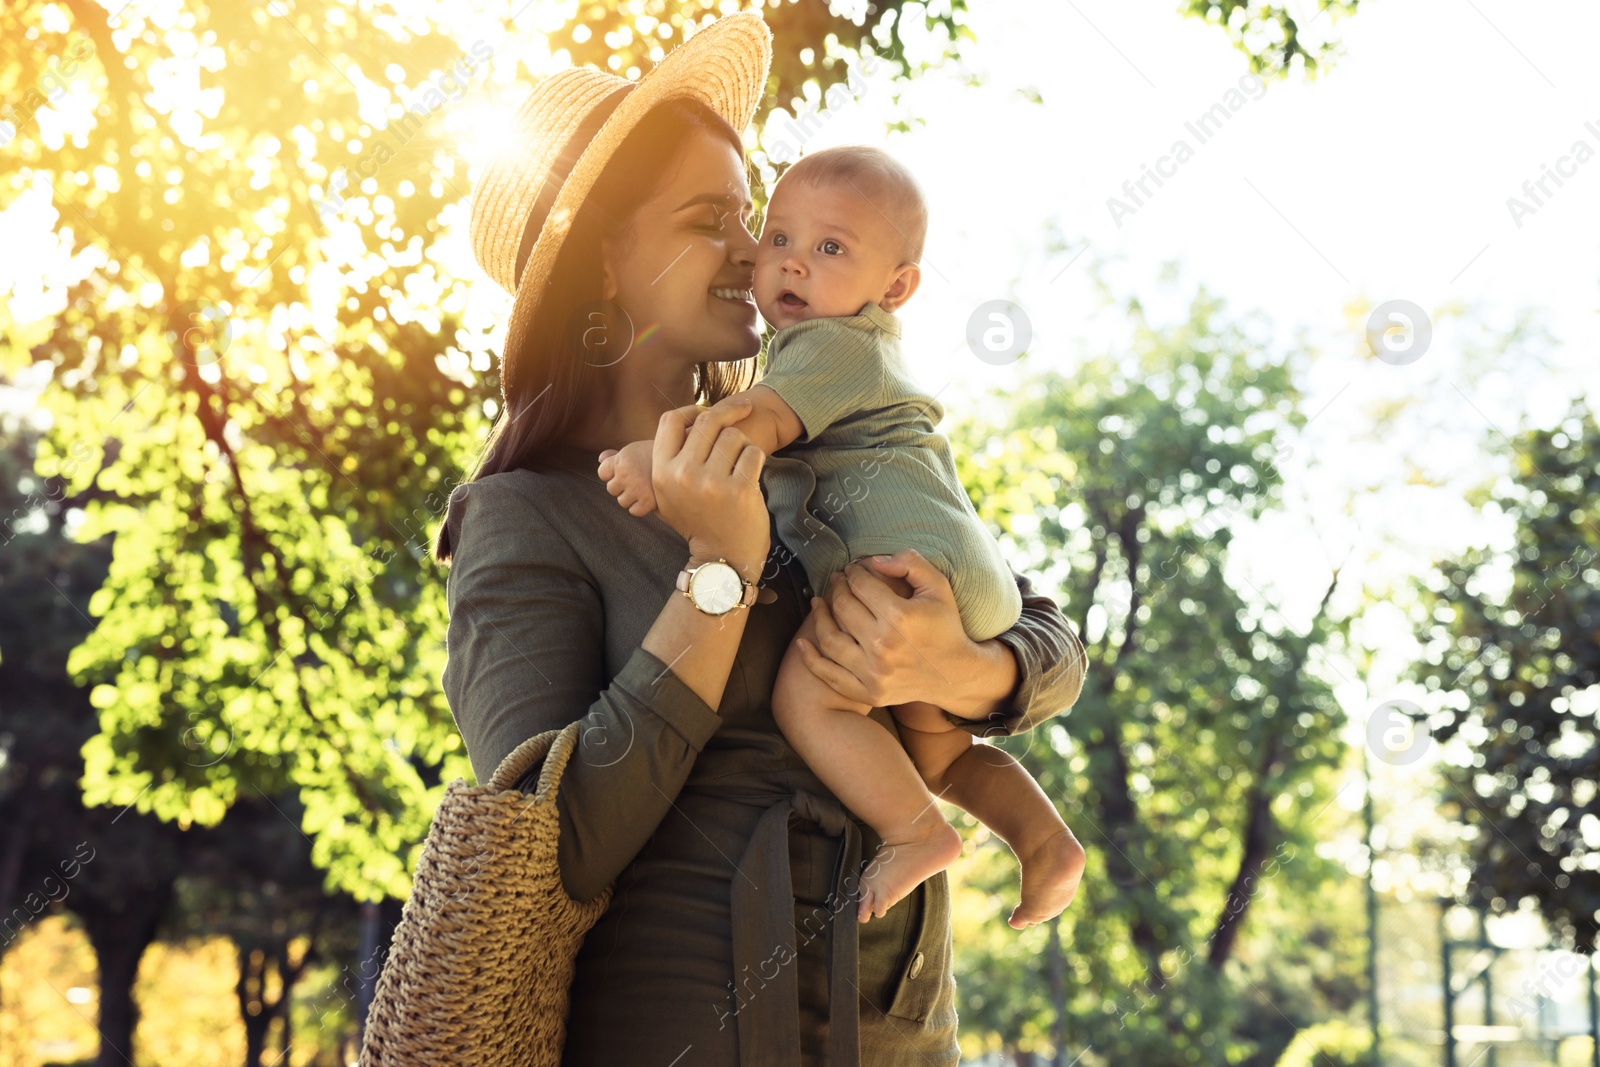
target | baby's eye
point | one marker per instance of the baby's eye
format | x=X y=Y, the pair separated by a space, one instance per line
x=832 y=248
x=779 y=241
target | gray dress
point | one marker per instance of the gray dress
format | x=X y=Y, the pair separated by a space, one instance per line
x=730 y=859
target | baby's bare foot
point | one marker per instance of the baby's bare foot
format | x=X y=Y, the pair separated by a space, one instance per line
x=900 y=866
x=1050 y=877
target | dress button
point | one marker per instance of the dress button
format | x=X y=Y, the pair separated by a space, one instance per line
x=916 y=966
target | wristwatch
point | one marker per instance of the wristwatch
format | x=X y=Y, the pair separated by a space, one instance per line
x=714 y=587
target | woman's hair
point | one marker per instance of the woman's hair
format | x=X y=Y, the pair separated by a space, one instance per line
x=554 y=381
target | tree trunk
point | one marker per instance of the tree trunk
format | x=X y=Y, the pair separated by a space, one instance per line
x=10 y=876
x=286 y=1035
x=1116 y=797
x=253 y=1009
x=378 y=920
x=370 y=963
x=1058 y=991
x=11 y=866
x=256 y=962
x=1258 y=832
x=1260 y=827
x=1121 y=826
x=119 y=937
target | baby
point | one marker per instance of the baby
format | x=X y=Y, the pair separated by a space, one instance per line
x=842 y=421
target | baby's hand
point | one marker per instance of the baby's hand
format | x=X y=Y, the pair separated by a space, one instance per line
x=627 y=477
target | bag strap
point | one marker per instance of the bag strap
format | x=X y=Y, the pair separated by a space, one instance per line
x=553 y=747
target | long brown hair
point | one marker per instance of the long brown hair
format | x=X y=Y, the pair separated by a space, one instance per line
x=554 y=380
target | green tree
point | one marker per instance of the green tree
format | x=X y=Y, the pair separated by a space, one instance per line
x=1511 y=660
x=250 y=879
x=113 y=870
x=1195 y=765
x=1268 y=33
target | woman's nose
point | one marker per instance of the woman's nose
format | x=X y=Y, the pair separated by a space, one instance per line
x=742 y=247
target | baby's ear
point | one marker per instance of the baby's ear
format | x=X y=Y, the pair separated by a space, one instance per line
x=902 y=286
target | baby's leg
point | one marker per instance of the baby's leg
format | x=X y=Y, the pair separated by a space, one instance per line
x=998 y=791
x=870 y=774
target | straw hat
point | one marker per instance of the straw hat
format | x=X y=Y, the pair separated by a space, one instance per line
x=566 y=132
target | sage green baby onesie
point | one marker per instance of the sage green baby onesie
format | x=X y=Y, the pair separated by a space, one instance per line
x=869 y=472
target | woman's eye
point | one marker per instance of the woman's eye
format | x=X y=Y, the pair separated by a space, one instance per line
x=831 y=248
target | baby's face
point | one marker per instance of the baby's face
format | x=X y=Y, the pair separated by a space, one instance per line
x=825 y=251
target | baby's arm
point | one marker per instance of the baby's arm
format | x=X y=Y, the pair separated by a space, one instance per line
x=770 y=424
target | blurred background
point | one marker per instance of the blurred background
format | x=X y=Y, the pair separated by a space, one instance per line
x=1267 y=334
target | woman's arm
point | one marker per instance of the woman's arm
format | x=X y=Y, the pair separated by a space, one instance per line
x=1043 y=677
x=526 y=654
x=882 y=649
x=759 y=412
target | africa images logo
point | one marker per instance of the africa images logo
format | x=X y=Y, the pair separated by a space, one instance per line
x=50 y=88
x=444 y=87
x=1203 y=128
x=1536 y=192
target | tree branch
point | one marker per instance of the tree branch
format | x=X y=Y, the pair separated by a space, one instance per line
x=1261 y=829
x=1121 y=814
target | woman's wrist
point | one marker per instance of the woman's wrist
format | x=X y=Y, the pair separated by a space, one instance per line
x=983 y=680
x=749 y=571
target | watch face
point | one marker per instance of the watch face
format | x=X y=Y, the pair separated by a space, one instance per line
x=716 y=588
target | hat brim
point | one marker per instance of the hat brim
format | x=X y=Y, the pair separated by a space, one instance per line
x=723 y=66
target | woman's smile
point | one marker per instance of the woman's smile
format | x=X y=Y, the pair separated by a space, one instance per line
x=744 y=299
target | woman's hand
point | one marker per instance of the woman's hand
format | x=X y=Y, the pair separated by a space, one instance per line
x=706 y=476
x=881 y=648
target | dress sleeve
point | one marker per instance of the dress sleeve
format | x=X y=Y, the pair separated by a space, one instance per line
x=825 y=371
x=1050 y=667
x=525 y=654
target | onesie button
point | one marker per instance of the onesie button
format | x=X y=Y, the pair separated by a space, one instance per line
x=916 y=966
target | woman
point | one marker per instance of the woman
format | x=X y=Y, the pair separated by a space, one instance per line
x=614 y=216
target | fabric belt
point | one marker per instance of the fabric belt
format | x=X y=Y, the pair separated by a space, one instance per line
x=767 y=1004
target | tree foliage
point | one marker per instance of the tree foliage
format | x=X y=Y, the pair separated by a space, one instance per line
x=1195 y=765
x=112 y=870
x=1269 y=33
x=1512 y=660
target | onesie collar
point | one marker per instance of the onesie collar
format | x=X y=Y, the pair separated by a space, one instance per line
x=887 y=321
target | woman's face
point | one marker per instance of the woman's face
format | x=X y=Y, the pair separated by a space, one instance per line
x=684 y=272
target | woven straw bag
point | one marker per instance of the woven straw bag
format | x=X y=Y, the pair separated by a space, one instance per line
x=479 y=969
